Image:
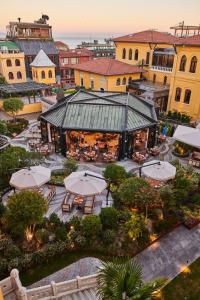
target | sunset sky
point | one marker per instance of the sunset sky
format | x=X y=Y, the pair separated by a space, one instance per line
x=79 y=17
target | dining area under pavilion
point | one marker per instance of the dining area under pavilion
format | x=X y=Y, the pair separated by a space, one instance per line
x=100 y=126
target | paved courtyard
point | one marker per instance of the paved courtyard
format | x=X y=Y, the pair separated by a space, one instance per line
x=165 y=258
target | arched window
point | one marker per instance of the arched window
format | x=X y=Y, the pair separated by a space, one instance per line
x=178 y=94
x=118 y=81
x=19 y=75
x=130 y=80
x=154 y=78
x=10 y=75
x=187 y=96
x=124 y=54
x=43 y=74
x=50 y=74
x=8 y=63
x=130 y=56
x=183 y=63
x=17 y=62
x=165 y=80
x=136 y=54
x=193 y=64
x=124 y=81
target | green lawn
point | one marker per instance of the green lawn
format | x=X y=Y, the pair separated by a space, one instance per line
x=185 y=286
x=55 y=264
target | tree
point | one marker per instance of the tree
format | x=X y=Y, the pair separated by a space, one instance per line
x=26 y=209
x=109 y=217
x=116 y=174
x=70 y=165
x=136 y=227
x=129 y=189
x=13 y=106
x=2 y=80
x=121 y=279
x=3 y=128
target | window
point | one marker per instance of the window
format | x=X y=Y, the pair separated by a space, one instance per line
x=10 y=75
x=124 y=81
x=92 y=84
x=183 y=63
x=8 y=63
x=118 y=82
x=17 y=62
x=43 y=75
x=165 y=80
x=124 y=54
x=178 y=94
x=154 y=78
x=81 y=81
x=19 y=75
x=130 y=54
x=147 y=58
x=193 y=65
x=130 y=80
x=73 y=60
x=136 y=54
x=50 y=74
x=187 y=96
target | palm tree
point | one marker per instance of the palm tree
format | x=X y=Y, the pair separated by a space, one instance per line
x=121 y=279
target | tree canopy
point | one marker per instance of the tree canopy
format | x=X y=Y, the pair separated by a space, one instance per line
x=13 y=106
x=116 y=174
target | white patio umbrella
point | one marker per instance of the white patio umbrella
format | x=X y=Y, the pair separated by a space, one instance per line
x=159 y=170
x=85 y=183
x=30 y=178
x=187 y=135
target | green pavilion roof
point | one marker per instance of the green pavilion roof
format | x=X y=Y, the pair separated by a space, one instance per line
x=101 y=111
x=8 y=45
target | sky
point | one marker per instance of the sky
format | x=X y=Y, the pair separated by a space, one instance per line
x=97 y=17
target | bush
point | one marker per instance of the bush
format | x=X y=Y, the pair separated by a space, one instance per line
x=70 y=165
x=109 y=217
x=76 y=223
x=54 y=220
x=11 y=251
x=61 y=233
x=3 y=267
x=164 y=225
x=4 y=243
x=91 y=227
x=109 y=236
x=3 y=128
x=42 y=236
x=2 y=209
x=116 y=174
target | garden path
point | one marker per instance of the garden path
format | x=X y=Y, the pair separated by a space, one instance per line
x=165 y=258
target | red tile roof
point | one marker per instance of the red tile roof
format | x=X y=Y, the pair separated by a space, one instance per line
x=190 y=40
x=75 y=53
x=107 y=66
x=148 y=36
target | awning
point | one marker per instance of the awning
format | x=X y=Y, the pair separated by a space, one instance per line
x=187 y=135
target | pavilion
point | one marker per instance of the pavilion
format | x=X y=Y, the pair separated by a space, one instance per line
x=100 y=123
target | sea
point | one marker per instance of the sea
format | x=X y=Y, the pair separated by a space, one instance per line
x=72 y=42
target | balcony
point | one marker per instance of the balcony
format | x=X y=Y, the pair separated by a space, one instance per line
x=162 y=69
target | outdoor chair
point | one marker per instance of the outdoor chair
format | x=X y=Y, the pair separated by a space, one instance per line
x=67 y=203
x=88 y=206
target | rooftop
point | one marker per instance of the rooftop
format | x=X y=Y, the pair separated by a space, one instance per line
x=8 y=46
x=42 y=60
x=23 y=87
x=108 y=66
x=97 y=111
x=148 y=36
x=32 y=47
x=75 y=53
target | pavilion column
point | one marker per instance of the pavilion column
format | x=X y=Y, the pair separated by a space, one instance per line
x=49 y=132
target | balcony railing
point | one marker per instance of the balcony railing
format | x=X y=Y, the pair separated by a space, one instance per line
x=162 y=69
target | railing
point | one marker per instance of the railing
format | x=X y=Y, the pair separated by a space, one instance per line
x=12 y=288
x=160 y=68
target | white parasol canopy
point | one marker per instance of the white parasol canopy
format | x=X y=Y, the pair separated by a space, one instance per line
x=187 y=135
x=30 y=178
x=85 y=183
x=159 y=170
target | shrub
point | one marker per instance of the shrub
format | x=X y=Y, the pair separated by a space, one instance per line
x=3 y=128
x=2 y=209
x=70 y=165
x=42 y=236
x=164 y=225
x=13 y=106
x=54 y=220
x=109 y=236
x=13 y=264
x=4 y=243
x=80 y=241
x=3 y=266
x=61 y=233
x=11 y=251
x=91 y=226
x=76 y=223
x=109 y=217
x=116 y=174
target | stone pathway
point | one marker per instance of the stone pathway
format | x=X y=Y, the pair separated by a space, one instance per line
x=165 y=258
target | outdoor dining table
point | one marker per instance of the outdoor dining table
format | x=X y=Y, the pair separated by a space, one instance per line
x=78 y=201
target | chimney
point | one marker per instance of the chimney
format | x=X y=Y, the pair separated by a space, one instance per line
x=19 y=20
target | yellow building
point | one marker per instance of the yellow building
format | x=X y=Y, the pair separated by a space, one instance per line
x=12 y=65
x=106 y=74
x=185 y=83
x=43 y=69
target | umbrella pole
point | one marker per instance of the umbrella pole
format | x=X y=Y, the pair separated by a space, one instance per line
x=108 y=192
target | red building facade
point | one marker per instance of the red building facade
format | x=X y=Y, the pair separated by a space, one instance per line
x=66 y=61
